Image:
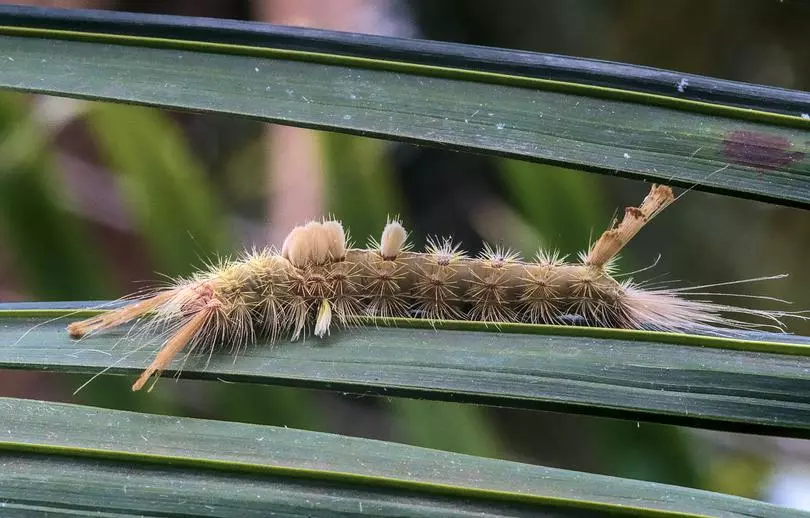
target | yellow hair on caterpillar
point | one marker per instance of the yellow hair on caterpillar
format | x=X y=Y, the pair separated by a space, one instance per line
x=318 y=281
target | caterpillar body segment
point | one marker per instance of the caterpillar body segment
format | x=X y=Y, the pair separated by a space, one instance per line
x=316 y=281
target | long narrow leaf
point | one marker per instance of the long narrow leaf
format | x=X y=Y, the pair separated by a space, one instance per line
x=750 y=386
x=139 y=463
x=499 y=61
x=721 y=148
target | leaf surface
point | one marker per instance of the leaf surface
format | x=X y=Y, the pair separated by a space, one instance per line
x=735 y=384
x=87 y=460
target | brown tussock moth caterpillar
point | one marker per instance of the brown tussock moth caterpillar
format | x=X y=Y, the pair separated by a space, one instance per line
x=317 y=280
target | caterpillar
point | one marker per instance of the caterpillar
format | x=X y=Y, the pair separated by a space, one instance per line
x=318 y=280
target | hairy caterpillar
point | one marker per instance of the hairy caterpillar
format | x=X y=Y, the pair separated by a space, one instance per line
x=317 y=280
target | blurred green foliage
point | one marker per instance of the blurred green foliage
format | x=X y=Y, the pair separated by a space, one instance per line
x=45 y=243
x=162 y=185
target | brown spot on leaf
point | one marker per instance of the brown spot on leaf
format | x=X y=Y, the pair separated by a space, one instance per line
x=757 y=149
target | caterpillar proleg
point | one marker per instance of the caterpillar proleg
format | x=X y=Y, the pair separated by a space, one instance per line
x=317 y=281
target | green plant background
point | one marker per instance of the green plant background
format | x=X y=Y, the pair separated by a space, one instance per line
x=186 y=188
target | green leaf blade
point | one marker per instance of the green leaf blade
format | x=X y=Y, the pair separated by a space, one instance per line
x=682 y=379
x=716 y=147
x=107 y=448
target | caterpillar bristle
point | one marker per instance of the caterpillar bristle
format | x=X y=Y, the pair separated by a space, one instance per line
x=491 y=299
x=550 y=257
x=383 y=293
x=538 y=294
x=393 y=240
x=173 y=346
x=318 y=281
x=443 y=251
x=336 y=240
x=324 y=319
x=435 y=291
x=119 y=316
x=345 y=292
x=498 y=255
x=490 y=291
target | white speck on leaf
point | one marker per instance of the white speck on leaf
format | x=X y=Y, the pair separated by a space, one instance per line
x=627 y=155
x=806 y=116
x=10 y=58
x=352 y=96
x=347 y=117
x=256 y=69
x=682 y=84
x=500 y=125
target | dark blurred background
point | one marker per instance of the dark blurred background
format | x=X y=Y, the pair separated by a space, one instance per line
x=97 y=198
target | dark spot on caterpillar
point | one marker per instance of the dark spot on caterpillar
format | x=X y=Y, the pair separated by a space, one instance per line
x=634 y=211
x=756 y=149
x=573 y=320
